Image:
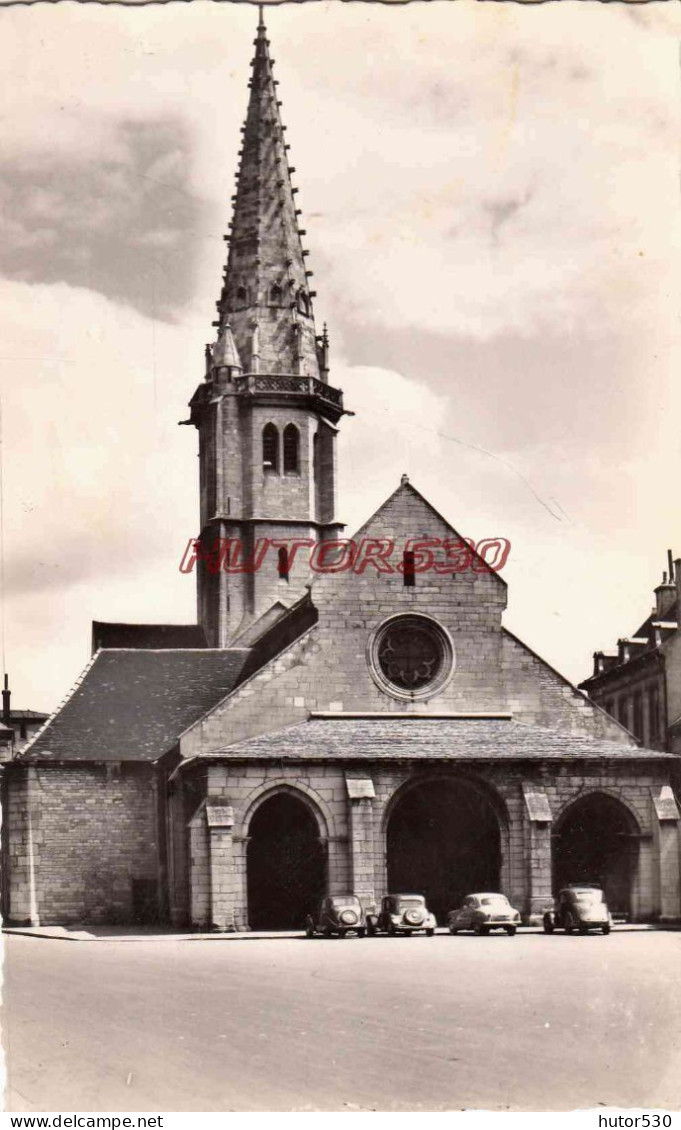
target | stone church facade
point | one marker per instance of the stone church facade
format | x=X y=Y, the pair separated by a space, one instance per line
x=366 y=726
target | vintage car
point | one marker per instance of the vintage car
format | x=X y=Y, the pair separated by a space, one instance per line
x=338 y=914
x=484 y=912
x=580 y=906
x=402 y=914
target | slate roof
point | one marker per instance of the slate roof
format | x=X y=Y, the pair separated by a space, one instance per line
x=132 y=704
x=155 y=636
x=413 y=739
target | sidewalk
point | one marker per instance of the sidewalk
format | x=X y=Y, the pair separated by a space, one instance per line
x=142 y=934
x=161 y=934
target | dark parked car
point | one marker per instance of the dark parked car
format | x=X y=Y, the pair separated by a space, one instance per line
x=402 y=914
x=482 y=913
x=580 y=906
x=338 y=914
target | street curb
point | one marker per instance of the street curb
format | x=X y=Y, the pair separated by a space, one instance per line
x=60 y=934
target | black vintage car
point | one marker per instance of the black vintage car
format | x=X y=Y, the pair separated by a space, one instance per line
x=402 y=914
x=580 y=906
x=337 y=914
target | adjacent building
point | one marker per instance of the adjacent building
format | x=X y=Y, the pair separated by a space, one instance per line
x=639 y=682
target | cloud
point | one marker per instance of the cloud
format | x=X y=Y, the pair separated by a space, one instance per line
x=120 y=224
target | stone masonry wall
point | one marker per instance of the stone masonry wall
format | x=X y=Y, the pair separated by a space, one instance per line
x=526 y=860
x=92 y=832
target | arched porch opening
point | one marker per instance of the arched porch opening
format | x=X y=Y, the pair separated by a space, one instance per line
x=596 y=841
x=285 y=863
x=443 y=840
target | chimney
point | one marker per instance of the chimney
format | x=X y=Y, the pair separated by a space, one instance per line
x=6 y=694
x=665 y=593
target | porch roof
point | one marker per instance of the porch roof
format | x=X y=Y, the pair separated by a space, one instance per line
x=388 y=738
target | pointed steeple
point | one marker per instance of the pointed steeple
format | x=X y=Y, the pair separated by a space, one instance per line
x=224 y=352
x=266 y=297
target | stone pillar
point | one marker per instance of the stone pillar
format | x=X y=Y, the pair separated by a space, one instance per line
x=538 y=848
x=223 y=871
x=199 y=870
x=667 y=852
x=361 y=796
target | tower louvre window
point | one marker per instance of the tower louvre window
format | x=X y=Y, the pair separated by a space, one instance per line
x=303 y=302
x=270 y=448
x=291 y=449
x=242 y=295
x=283 y=563
x=275 y=295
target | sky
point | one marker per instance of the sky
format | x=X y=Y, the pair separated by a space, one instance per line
x=491 y=199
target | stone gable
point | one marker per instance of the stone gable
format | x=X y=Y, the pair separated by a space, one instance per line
x=329 y=668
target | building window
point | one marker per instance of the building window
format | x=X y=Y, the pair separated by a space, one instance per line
x=408 y=568
x=270 y=448
x=275 y=295
x=638 y=715
x=282 y=563
x=303 y=302
x=291 y=448
x=623 y=711
x=411 y=656
x=609 y=707
x=242 y=295
x=654 y=713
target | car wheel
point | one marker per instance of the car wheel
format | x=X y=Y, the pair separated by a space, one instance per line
x=327 y=931
x=548 y=925
x=510 y=930
x=430 y=932
x=453 y=930
x=482 y=931
x=371 y=930
x=391 y=929
x=309 y=930
x=569 y=923
x=583 y=928
x=361 y=932
x=606 y=928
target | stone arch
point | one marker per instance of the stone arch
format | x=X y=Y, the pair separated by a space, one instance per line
x=446 y=834
x=596 y=840
x=285 y=857
x=318 y=807
x=601 y=790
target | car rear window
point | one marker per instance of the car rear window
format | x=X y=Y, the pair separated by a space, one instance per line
x=411 y=902
x=495 y=900
x=587 y=896
x=349 y=901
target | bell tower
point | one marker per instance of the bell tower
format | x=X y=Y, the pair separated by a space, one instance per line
x=265 y=412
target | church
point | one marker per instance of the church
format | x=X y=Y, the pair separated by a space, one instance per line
x=348 y=713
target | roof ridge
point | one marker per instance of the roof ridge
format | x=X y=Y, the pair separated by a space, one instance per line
x=172 y=650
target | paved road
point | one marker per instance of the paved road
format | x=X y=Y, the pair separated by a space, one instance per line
x=525 y=1023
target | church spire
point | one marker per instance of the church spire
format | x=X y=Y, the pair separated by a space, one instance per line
x=266 y=296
